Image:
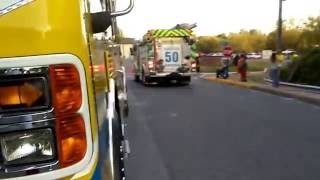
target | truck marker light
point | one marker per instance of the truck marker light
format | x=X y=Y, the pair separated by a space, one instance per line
x=67 y=100
x=150 y=65
x=98 y=68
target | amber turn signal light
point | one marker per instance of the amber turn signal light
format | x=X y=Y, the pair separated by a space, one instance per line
x=71 y=137
x=70 y=127
x=66 y=88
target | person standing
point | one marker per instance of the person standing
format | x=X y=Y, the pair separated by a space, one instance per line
x=242 y=67
x=186 y=61
x=160 y=66
x=274 y=70
x=235 y=60
x=197 y=64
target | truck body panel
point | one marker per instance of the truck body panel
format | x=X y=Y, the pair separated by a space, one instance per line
x=48 y=35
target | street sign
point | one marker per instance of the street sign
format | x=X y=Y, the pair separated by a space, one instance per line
x=227 y=51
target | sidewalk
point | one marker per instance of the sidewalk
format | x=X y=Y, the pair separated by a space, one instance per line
x=256 y=82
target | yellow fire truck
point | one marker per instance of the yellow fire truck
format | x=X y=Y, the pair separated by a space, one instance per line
x=61 y=90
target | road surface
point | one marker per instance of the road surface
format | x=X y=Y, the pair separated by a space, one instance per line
x=209 y=131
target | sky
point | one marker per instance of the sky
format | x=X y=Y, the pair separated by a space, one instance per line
x=212 y=16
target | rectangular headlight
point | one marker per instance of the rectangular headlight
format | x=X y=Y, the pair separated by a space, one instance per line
x=28 y=147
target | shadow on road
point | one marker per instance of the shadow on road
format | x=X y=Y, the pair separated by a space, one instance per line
x=163 y=85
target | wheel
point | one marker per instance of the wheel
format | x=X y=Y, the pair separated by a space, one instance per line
x=184 y=83
x=225 y=76
x=136 y=78
x=144 y=79
x=118 y=151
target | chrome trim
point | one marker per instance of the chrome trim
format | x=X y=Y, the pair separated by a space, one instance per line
x=41 y=123
x=13 y=172
x=125 y=11
x=14 y=6
x=24 y=70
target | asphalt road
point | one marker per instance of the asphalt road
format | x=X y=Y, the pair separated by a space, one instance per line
x=209 y=131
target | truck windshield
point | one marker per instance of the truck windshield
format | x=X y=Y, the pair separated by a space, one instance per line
x=5 y=4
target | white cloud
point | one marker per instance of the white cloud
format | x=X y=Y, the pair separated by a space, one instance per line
x=212 y=16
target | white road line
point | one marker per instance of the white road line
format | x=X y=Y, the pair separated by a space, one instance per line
x=287 y=98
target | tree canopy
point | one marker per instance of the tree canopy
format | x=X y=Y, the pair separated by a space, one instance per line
x=294 y=37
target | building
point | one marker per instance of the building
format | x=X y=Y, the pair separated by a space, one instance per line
x=126 y=44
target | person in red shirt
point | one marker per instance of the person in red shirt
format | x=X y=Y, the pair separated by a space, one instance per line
x=242 y=68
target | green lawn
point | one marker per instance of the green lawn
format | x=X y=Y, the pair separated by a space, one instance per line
x=253 y=65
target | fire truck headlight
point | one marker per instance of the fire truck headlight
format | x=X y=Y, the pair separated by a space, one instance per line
x=28 y=147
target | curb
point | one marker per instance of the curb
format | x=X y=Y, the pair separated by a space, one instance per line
x=271 y=90
x=231 y=82
x=317 y=88
x=304 y=98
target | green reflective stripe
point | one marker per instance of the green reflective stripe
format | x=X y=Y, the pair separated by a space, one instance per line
x=170 y=33
x=187 y=32
x=193 y=47
x=184 y=32
x=157 y=32
x=194 y=54
x=177 y=32
x=163 y=33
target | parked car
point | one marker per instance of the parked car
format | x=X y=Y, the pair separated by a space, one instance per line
x=254 y=56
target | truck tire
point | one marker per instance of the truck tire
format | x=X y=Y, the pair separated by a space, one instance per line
x=185 y=83
x=144 y=79
x=136 y=78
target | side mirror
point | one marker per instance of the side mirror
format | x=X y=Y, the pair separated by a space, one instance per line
x=100 y=21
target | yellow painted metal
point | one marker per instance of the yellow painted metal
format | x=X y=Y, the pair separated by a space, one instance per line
x=50 y=27
x=44 y=27
x=109 y=63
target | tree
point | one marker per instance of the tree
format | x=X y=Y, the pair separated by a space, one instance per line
x=247 y=41
x=207 y=44
x=291 y=39
x=311 y=34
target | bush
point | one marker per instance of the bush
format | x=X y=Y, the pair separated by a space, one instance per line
x=308 y=70
x=284 y=74
x=287 y=72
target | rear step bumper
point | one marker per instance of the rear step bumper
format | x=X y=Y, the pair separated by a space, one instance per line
x=169 y=77
x=169 y=74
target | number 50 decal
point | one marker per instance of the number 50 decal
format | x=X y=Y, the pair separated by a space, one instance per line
x=172 y=56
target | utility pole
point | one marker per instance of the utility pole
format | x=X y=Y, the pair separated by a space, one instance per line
x=279 y=34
